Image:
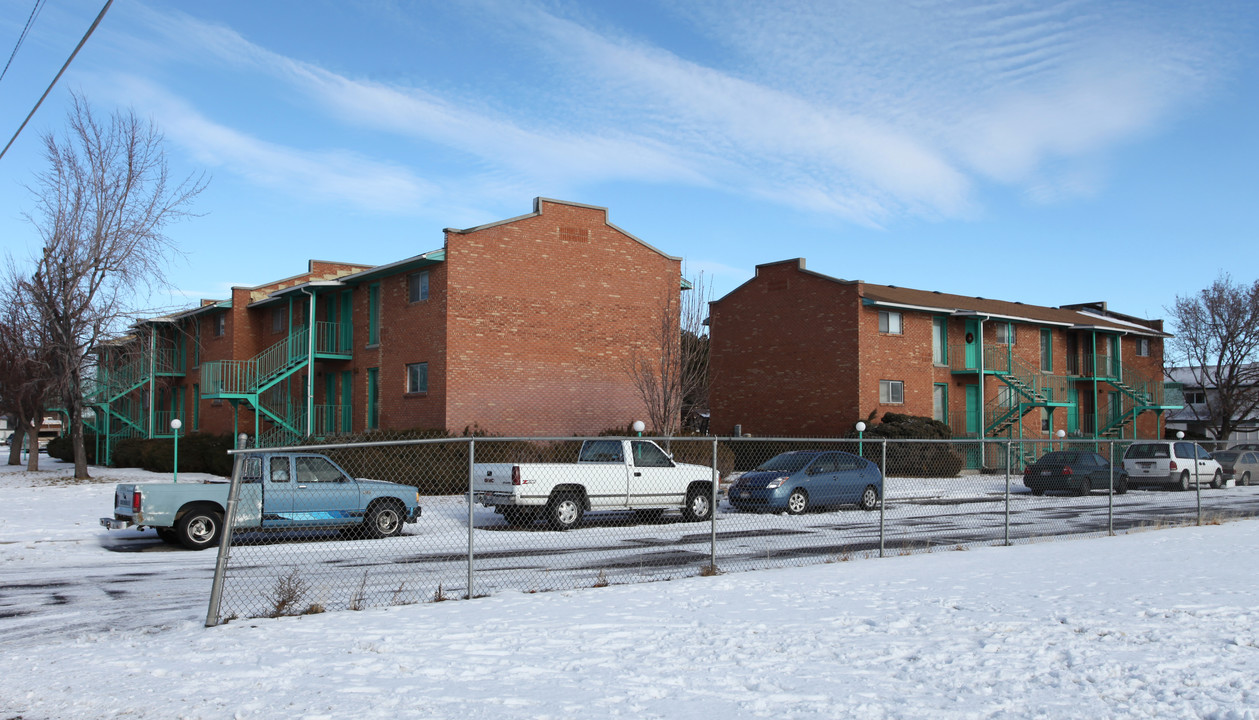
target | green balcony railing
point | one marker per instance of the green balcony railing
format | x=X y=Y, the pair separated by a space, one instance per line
x=249 y=377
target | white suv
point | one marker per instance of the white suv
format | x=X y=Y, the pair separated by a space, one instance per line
x=1171 y=462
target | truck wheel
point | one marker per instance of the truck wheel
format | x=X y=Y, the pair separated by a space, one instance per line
x=699 y=507
x=564 y=512
x=517 y=516
x=199 y=529
x=383 y=520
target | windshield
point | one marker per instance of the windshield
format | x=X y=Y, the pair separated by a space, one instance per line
x=787 y=462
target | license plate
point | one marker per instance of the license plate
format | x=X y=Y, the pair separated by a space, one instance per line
x=1045 y=472
x=745 y=495
x=1146 y=465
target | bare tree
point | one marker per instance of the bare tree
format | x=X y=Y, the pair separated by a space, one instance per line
x=674 y=378
x=101 y=210
x=26 y=384
x=1217 y=339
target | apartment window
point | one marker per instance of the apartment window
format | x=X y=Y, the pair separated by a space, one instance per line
x=277 y=320
x=373 y=398
x=891 y=392
x=1195 y=397
x=940 y=341
x=417 y=377
x=373 y=314
x=1005 y=333
x=940 y=402
x=417 y=286
x=1143 y=347
x=1046 y=350
x=220 y=325
x=889 y=322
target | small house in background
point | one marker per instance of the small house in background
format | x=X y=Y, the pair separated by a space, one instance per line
x=795 y=353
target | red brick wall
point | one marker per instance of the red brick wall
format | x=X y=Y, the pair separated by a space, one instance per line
x=783 y=358
x=541 y=312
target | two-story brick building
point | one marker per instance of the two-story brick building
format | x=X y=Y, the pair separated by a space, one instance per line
x=521 y=326
x=798 y=353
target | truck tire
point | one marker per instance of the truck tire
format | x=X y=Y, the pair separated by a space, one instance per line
x=564 y=511
x=699 y=506
x=199 y=528
x=383 y=520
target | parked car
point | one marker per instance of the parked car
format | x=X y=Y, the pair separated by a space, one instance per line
x=1245 y=446
x=1179 y=463
x=796 y=481
x=1073 y=471
x=1241 y=466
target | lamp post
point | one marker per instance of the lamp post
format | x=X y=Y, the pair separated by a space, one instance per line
x=861 y=429
x=175 y=425
x=1061 y=445
x=1180 y=434
x=639 y=427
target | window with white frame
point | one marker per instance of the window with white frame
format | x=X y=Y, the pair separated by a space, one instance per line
x=889 y=322
x=417 y=286
x=939 y=341
x=891 y=392
x=1195 y=397
x=1143 y=347
x=417 y=377
x=1005 y=333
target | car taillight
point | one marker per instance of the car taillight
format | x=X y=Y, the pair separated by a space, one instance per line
x=515 y=475
x=1173 y=465
x=1067 y=471
x=135 y=501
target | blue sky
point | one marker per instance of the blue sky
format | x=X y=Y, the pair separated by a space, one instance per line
x=1046 y=152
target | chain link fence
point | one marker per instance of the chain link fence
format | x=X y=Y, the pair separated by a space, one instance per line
x=369 y=524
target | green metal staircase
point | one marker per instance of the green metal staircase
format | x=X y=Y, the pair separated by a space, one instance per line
x=1137 y=394
x=252 y=380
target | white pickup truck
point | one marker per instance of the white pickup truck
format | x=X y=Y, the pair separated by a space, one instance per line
x=609 y=474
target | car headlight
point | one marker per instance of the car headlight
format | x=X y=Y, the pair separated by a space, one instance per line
x=776 y=482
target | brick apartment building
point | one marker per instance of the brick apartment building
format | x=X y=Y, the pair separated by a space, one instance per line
x=798 y=353
x=518 y=327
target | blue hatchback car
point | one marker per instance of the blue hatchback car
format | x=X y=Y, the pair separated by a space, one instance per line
x=797 y=481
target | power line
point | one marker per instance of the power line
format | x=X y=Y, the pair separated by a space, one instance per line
x=39 y=4
x=77 y=48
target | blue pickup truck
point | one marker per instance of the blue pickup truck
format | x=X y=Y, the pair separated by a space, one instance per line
x=279 y=491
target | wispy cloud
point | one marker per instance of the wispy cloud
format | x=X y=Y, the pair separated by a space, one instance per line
x=334 y=174
x=866 y=111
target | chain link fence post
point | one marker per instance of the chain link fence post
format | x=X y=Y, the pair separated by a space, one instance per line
x=471 y=506
x=225 y=545
x=883 y=500
x=1008 y=446
x=712 y=520
x=1110 y=498
x=1197 y=482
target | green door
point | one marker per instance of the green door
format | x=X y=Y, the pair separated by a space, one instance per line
x=347 y=335
x=1073 y=410
x=974 y=343
x=973 y=407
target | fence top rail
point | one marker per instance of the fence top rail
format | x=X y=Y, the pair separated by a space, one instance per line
x=704 y=439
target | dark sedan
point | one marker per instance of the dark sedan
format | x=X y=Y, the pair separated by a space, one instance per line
x=797 y=481
x=1073 y=471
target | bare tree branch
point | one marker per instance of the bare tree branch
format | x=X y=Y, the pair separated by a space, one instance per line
x=1217 y=339
x=668 y=365
x=101 y=209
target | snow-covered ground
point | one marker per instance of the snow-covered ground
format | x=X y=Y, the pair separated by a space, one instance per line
x=1149 y=624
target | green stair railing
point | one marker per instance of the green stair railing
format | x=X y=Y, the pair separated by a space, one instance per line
x=250 y=377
